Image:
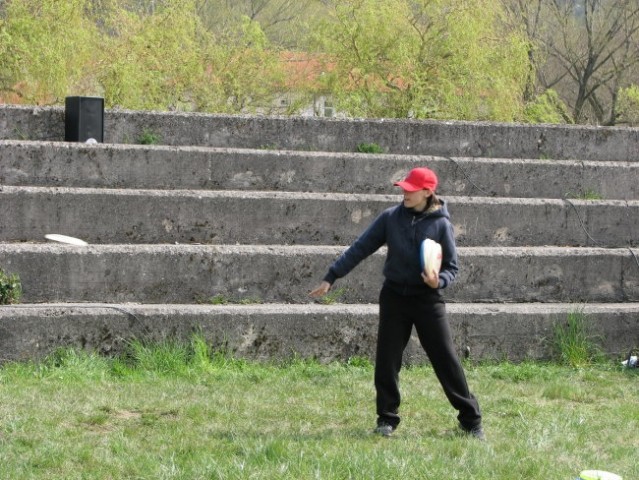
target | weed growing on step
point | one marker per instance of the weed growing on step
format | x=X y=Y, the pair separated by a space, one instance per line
x=181 y=410
x=369 y=148
x=591 y=195
x=20 y=134
x=149 y=138
x=587 y=194
x=573 y=342
x=10 y=288
x=250 y=301
x=333 y=296
x=218 y=299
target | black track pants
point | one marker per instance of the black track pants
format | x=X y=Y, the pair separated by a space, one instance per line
x=397 y=315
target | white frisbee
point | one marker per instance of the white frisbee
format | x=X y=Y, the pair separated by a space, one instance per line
x=598 y=475
x=430 y=254
x=55 y=237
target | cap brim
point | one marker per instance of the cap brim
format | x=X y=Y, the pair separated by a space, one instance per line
x=409 y=187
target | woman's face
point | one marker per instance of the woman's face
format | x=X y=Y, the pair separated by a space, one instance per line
x=417 y=200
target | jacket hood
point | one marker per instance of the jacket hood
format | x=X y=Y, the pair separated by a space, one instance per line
x=434 y=211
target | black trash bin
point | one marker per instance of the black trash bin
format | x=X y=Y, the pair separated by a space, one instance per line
x=84 y=119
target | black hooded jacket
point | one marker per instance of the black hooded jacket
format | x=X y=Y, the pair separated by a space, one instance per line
x=402 y=230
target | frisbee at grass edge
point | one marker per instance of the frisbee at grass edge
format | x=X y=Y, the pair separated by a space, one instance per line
x=598 y=475
x=430 y=253
x=55 y=237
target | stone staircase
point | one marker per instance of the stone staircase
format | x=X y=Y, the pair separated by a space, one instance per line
x=225 y=227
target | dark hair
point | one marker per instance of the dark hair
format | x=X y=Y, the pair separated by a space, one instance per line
x=432 y=201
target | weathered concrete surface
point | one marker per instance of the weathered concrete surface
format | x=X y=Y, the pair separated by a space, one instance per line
x=326 y=332
x=494 y=308
x=281 y=274
x=220 y=217
x=465 y=139
x=162 y=167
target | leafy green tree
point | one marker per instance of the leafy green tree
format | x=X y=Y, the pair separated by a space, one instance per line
x=154 y=61
x=423 y=59
x=526 y=17
x=245 y=71
x=284 y=22
x=46 y=47
x=137 y=55
x=383 y=58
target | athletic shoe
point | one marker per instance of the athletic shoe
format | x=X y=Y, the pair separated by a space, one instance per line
x=475 y=432
x=384 y=429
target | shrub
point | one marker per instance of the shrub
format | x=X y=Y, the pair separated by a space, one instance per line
x=10 y=288
x=628 y=105
x=149 y=138
x=547 y=108
x=369 y=148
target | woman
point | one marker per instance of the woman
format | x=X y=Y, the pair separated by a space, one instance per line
x=410 y=296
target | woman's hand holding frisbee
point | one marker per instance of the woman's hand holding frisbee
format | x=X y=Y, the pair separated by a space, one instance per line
x=432 y=279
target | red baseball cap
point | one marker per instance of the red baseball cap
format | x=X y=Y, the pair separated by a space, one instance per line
x=419 y=179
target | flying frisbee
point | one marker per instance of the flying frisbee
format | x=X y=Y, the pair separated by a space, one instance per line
x=430 y=254
x=54 y=237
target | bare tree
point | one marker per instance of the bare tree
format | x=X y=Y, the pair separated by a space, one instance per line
x=592 y=46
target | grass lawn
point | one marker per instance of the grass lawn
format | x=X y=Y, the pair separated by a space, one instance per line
x=172 y=412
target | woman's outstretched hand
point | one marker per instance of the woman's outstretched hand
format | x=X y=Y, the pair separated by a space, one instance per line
x=321 y=290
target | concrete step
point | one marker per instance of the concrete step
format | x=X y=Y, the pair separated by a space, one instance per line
x=162 y=167
x=512 y=332
x=246 y=217
x=276 y=274
x=415 y=137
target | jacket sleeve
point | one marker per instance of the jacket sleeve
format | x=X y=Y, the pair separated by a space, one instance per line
x=368 y=243
x=450 y=267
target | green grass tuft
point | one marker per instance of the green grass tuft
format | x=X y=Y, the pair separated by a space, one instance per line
x=574 y=343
